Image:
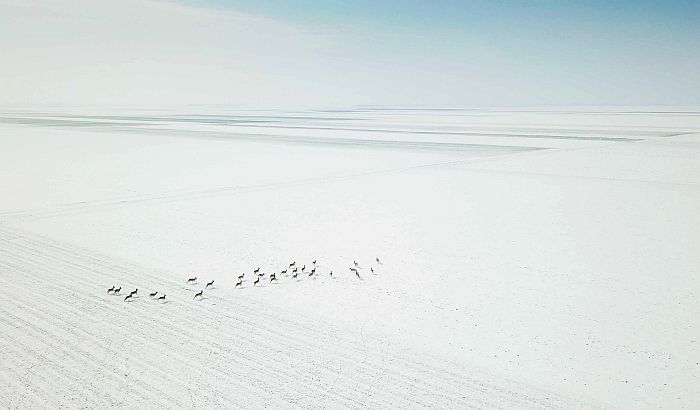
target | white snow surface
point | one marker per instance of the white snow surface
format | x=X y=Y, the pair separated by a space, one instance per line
x=530 y=258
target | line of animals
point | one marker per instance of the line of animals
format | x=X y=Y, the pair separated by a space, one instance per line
x=292 y=268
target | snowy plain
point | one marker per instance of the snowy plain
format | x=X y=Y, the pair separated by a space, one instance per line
x=530 y=258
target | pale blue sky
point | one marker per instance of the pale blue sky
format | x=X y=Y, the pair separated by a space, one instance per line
x=279 y=52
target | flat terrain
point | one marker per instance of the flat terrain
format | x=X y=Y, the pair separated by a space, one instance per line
x=528 y=258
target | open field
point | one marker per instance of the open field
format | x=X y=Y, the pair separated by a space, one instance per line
x=530 y=258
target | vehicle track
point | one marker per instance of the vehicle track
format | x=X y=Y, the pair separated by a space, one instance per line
x=191 y=334
x=295 y=339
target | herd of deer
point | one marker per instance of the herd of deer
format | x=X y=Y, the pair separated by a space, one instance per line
x=115 y=291
x=256 y=273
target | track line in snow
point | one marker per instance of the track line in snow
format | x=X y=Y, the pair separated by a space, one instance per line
x=73 y=208
x=266 y=328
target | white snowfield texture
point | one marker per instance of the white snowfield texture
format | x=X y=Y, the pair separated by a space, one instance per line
x=528 y=258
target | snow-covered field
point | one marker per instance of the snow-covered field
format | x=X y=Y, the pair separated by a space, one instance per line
x=529 y=258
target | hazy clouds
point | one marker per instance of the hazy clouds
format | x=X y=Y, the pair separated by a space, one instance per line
x=144 y=52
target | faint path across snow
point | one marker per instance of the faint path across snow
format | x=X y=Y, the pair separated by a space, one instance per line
x=67 y=343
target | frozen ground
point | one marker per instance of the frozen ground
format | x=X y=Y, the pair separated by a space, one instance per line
x=530 y=258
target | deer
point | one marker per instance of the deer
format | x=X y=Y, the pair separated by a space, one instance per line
x=117 y=290
x=284 y=272
x=110 y=290
x=134 y=292
x=241 y=276
x=294 y=276
x=331 y=274
x=153 y=294
x=312 y=272
x=371 y=269
x=239 y=283
x=256 y=281
x=303 y=268
x=199 y=294
x=129 y=296
x=162 y=297
x=192 y=280
x=273 y=277
x=357 y=265
x=292 y=264
x=209 y=284
x=314 y=262
x=257 y=270
x=378 y=261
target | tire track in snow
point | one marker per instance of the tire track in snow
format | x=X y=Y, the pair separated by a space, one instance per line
x=44 y=365
x=285 y=337
x=40 y=316
x=13 y=369
x=84 y=362
x=421 y=368
x=480 y=383
x=74 y=297
x=272 y=375
x=492 y=403
x=73 y=208
x=252 y=345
